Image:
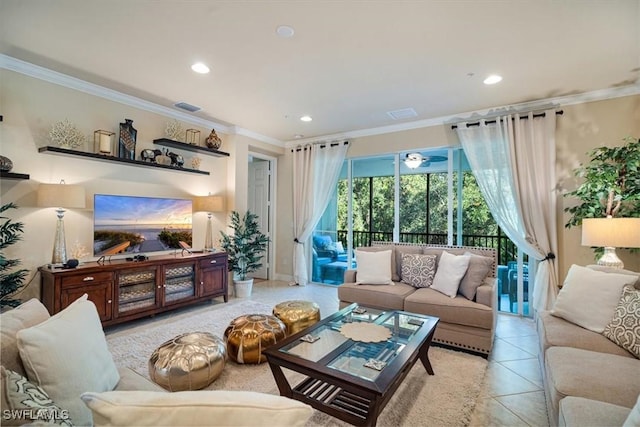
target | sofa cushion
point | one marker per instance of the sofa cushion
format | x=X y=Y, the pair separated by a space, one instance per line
x=195 y=408
x=395 y=276
x=67 y=355
x=404 y=249
x=451 y=270
x=27 y=314
x=376 y=296
x=458 y=310
x=556 y=332
x=588 y=298
x=479 y=268
x=374 y=268
x=607 y=269
x=624 y=327
x=592 y=375
x=28 y=402
x=418 y=270
x=130 y=380
x=581 y=412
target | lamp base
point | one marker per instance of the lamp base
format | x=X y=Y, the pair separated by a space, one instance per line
x=208 y=240
x=610 y=258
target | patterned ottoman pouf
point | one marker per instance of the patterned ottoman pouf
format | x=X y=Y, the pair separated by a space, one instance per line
x=297 y=315
x=248 y=335
x=189 y=361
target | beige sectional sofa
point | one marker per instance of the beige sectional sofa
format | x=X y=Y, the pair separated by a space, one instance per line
x=589 y=380
x=464 y=323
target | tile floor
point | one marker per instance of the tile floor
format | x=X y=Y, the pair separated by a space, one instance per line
x=512 y=394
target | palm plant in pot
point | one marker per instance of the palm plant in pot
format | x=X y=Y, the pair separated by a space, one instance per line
x=245 y=248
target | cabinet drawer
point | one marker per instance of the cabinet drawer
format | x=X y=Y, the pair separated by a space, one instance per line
x=212 y=262
x=87 y=279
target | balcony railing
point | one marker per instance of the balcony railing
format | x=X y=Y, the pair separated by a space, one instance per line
x=507 y=250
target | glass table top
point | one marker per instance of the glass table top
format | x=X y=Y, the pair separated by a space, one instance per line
x=336 y=351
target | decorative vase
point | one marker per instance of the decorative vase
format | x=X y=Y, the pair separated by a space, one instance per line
x=5 y=164
x=242 y=288
x=127 y=140
x=213 y=141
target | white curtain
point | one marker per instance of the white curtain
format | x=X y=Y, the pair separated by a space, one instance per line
x=316 y=168
x=514 y=161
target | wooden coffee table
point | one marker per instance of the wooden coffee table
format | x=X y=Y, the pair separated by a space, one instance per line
x=337 y=382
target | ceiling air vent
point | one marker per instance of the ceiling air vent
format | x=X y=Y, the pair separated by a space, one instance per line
x=188 y=107
x=405 y=113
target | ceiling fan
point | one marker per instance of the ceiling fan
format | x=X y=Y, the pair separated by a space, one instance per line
x=415 y=160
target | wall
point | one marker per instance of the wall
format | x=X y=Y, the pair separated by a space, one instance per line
x=581 y=128
x=31 y=106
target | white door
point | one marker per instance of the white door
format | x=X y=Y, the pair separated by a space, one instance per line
x=258 y=203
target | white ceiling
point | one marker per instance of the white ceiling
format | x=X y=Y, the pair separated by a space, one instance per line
x=348 y=64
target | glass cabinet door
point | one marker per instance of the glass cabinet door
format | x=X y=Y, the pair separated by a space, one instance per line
x=136 y=289
x=179 y=282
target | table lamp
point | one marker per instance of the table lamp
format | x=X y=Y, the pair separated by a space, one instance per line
x=60 y=196
x=208 y=204
x=611 y=233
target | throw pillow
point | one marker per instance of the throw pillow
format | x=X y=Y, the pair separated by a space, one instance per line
x=27 y=314
x=451 y=269
x=624 y=328
x=67 y=355
x=418 y=270
x=633 y=420
x=195 y=408
x=588 y=297
x=478 y=270
x=403 y=249
x=24 y=402
x=607 y=269
x=374 y=268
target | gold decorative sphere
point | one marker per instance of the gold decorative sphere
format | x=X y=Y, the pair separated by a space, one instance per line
x=189 y=361
x=248 y=335
x=297 y=315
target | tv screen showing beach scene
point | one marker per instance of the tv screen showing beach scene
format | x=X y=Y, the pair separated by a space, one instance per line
x=132 y=224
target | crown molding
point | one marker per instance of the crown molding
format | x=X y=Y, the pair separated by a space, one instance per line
x=45 y=74
x=581 y=98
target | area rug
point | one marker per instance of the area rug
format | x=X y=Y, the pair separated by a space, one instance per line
x=445 y=399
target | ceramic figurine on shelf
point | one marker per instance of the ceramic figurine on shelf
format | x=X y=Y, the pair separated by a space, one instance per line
x=127 y=141
x=213 y=141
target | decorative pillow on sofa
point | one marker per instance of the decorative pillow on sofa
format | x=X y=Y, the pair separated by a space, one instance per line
x=418 y=270
x=195 y=408
x=479 y=268
x=24 y=402
x=624 y=328
x=374 y=268
x=67 y=355
x=27 y=314
x=451 y=269
x=588 y=298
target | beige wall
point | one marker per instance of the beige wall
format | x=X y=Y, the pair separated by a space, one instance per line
x=31 y=106
x=581 y=128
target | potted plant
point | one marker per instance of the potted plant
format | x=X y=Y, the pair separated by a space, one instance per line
x=245 y=249
x=10 y=281
x=610 y=186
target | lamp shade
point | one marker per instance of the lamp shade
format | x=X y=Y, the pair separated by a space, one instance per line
x=61 y=196
x=611 y=232
x=208 y=204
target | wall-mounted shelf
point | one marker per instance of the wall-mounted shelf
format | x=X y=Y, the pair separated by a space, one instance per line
x=188 y=147
x=93 y=156
x=13 y=175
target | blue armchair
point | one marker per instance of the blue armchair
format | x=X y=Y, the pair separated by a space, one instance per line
x=327 y=248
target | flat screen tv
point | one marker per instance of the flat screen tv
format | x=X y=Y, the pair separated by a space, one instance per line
x=132 y=224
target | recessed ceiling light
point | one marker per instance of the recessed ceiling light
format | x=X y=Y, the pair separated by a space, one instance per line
x=492 y=79
x=285 y=31
x=306 y=118
x=200 y=68
x=298 y=136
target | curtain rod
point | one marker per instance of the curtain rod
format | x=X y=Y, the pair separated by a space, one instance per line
x=321 y=145
x=558 y=113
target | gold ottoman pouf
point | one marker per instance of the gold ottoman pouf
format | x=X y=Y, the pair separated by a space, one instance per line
x=297 y=315
x=189 y=361
x=248 y=335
